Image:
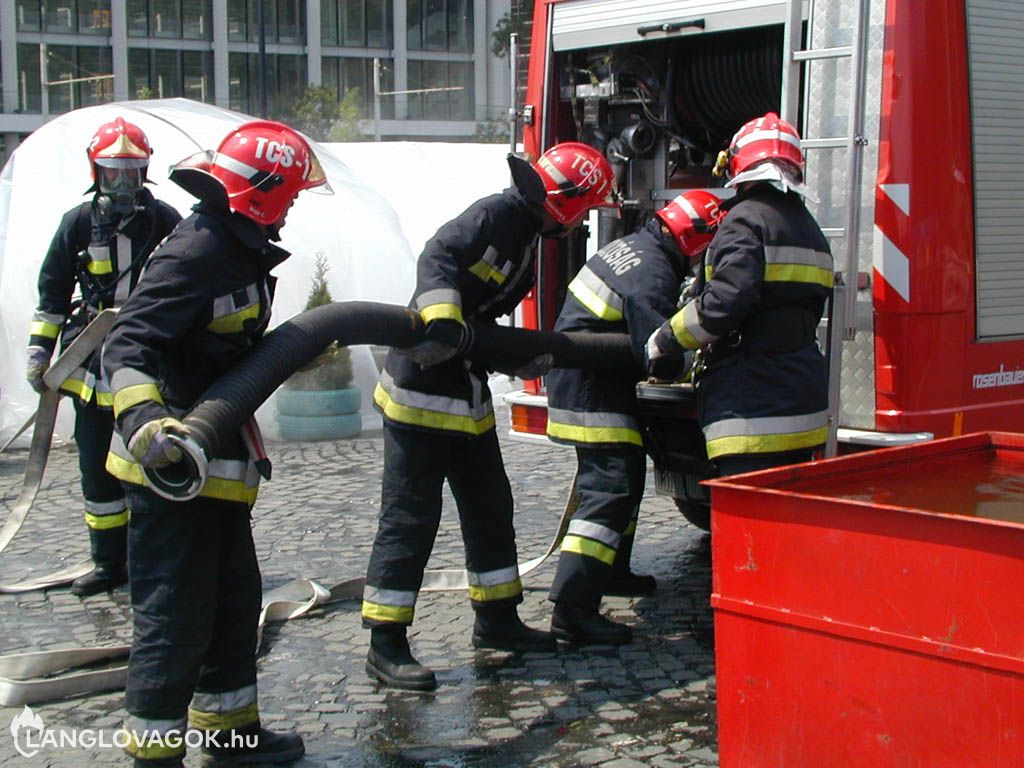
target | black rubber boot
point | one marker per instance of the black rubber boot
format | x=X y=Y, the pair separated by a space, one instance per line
x=235 y=747
x=109 y=549
x=630 y=584
x=586 y=626
x=500 y=628
x=99 y=580
x=623 y=582
x=390 y=661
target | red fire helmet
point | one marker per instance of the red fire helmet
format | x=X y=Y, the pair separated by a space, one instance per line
x=762 y=139
x=692 y=218
x=576 y=178
x=263 y=165
x=118 y=144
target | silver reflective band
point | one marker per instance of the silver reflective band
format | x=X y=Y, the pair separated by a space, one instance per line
x=594 y=531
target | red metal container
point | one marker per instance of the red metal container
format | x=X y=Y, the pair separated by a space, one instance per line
x=869 y=609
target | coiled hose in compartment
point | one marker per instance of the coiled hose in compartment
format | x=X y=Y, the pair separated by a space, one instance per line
x=229 y=402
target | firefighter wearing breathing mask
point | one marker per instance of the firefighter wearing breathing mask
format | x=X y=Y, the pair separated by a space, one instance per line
x=202 y=304
x=629 y=286
x=438 y=417
x=100 y=248
x=755 y=308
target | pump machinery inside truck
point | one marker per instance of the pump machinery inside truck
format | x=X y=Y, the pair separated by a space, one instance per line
x=900 y=121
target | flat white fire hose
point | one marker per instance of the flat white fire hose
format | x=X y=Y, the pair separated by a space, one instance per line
x=45 y=417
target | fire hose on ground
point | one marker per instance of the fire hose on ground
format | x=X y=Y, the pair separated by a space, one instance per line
x=222 y=410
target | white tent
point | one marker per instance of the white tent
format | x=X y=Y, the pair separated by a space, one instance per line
x=387 y=196
x=48 y=174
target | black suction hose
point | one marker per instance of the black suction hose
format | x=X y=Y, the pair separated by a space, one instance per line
x=229 y=402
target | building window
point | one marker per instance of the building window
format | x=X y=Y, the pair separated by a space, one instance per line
x=356 y=23
x=165 y=74
x=85 y=17
x=29 y=87
x=30 y=17
x=439 y=25
x=285 y=81
x=455 y=104
x=283 y=20
x=344 y=73
x=177 y=19
x=78 y=76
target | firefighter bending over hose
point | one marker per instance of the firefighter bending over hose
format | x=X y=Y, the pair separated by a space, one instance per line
x=631 y=285
x=101 y=246
x=763 y=389
x=438 y=417
x=202 y=304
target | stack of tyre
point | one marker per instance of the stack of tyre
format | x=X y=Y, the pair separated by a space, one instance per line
x=307 y=415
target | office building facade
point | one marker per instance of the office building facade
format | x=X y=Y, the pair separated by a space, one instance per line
x=438 y=78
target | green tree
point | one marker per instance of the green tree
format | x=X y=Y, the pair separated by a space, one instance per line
x=518 y=23
x=350 y=112
x=319 y=114
x=493 y=131
x=333 y=368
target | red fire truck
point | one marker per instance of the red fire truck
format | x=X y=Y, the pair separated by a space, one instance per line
x=912 y=113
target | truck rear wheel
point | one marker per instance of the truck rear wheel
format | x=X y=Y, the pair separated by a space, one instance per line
x=696 y=514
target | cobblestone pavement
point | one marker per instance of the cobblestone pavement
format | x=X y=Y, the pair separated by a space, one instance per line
x=649 y=703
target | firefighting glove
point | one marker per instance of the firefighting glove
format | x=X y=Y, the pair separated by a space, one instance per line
x=663 y=357
x=534 y=369
x=442 y=340
x=38 y=365
x=151 y=444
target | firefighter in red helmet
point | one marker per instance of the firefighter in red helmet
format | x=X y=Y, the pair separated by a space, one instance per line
x=438 y=417
x=195 y=582
x=100 y=247
x=629 y=286
x=763 y=386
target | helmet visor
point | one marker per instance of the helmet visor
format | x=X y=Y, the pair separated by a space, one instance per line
x=115 y=180
x=316 y=179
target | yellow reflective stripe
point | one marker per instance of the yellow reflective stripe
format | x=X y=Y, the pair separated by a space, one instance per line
x=589 y=548
x=156 y=747
x=130 y=396
x=630 y=529
x=483 y=594
x=442 y=312
x=229 y=490
x=401 y=614
x=678 y=325
x=597 y=306
x=581 y=434
x=105 y=399
x=40 y=328
x=233 y=323
x=798 y=273
x=77 y=387
x=486 y=272
x=708 y=272
x=106 y=522
x=724 y=446
x=223 y=721
x=104 y=267
x=124 y=470
x=214 y=488
x=420 y=417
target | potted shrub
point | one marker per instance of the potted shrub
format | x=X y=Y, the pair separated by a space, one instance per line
x=319 y=401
